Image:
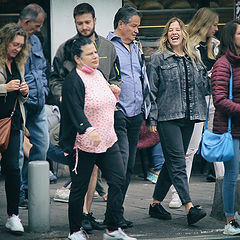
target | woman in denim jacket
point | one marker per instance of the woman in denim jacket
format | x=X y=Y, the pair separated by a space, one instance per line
x=178 y=84
x=201 y=30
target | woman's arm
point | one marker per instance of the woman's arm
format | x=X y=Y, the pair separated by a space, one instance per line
x=153 y=77
x=220 y=88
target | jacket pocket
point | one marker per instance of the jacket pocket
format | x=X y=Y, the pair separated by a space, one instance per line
x=169 y=72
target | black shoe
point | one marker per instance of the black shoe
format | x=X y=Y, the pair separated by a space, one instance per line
x=125 y=223
x=156 y=210
x=86 y=224
x=211 y=178
x=23 y=203
x=96 y=225
x=195 y=214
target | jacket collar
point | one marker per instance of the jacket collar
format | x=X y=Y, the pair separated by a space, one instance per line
x=233 y=59
x=111 y=36
x=96 y=42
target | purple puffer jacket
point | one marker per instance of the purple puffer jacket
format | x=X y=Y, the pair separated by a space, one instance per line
x=220 y=88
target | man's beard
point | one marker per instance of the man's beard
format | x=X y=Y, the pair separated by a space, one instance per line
x=89 y=35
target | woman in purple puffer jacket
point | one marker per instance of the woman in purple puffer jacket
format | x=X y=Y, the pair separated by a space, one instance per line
x=229 y=53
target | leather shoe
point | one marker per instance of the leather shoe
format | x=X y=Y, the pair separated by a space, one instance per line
x=156 y=210
x=95 y=224
x=195 y=214
x=125 y=223
x=86 y=224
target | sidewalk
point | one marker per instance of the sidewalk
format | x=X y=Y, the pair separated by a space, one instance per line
x=136 y=209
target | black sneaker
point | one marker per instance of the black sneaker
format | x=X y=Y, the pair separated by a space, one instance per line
x=156 y=210
x=195 y=214
x=23 y=203
x=124 y=223
x=95 y=225
x=86 y=224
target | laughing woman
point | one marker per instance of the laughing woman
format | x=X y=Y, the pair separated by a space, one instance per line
x=179 y=84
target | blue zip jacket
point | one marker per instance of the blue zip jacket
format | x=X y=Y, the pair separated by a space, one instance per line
x=35 y=76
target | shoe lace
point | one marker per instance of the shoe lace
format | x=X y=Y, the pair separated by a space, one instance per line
x=90 y=215
x=92 y=218
x=16 y=217
x=234 y=224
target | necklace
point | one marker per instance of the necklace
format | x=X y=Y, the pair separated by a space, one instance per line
x=203 y=44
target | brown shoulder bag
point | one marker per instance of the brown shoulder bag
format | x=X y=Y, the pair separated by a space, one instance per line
x=5 y=129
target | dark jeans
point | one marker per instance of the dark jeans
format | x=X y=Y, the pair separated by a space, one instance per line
x=111 y=166
x=11 y=171
x=56 y=154
x=175 y=137
x=127 y=130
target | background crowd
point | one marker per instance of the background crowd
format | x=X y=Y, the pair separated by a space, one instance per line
x=109 y=104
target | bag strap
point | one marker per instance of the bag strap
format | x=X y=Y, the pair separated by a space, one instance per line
x=13 y=109
x=230 y=98
x=230 y=95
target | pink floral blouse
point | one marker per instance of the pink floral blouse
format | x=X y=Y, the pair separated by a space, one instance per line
x=99 y=108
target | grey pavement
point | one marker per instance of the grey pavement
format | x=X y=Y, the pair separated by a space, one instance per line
x=136 y=209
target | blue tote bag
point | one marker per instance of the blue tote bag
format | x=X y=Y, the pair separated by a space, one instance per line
x=218 y=147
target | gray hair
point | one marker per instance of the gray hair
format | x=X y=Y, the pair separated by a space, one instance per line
x=31 y=12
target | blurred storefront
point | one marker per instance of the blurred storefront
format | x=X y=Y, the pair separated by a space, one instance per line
x=155 y=15
x=157 y=12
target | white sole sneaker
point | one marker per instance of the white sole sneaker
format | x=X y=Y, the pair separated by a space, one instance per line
x=60 y=200
x=117 y=235
x=174 y=204
x=232 y=228
x=14 y=225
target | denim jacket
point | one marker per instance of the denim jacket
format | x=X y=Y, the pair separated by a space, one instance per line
x=35 y=76
x=167 y=79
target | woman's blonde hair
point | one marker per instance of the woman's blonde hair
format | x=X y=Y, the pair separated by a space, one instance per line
x=7 y=35
x=187 y=48
x=198 y=28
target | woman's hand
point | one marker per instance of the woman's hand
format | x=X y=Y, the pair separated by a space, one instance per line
x=94 y=138
x=13 y=85
x=24 y=89
x=152 y=128
x=116 y=90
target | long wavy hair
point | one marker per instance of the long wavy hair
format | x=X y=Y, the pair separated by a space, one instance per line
x=7 y=35
x=198 y=28
x=187 y=47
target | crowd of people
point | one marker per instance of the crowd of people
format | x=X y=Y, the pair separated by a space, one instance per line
x=106 y=94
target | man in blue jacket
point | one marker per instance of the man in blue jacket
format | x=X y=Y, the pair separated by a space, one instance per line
x=31 y=19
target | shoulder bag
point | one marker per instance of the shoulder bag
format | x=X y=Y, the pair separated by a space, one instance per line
x=218 y=147
x=5 y=129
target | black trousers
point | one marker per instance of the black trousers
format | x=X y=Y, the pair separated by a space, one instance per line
x=175 y=137
x=11 y=171
x=111 y=165
x=127 y=130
